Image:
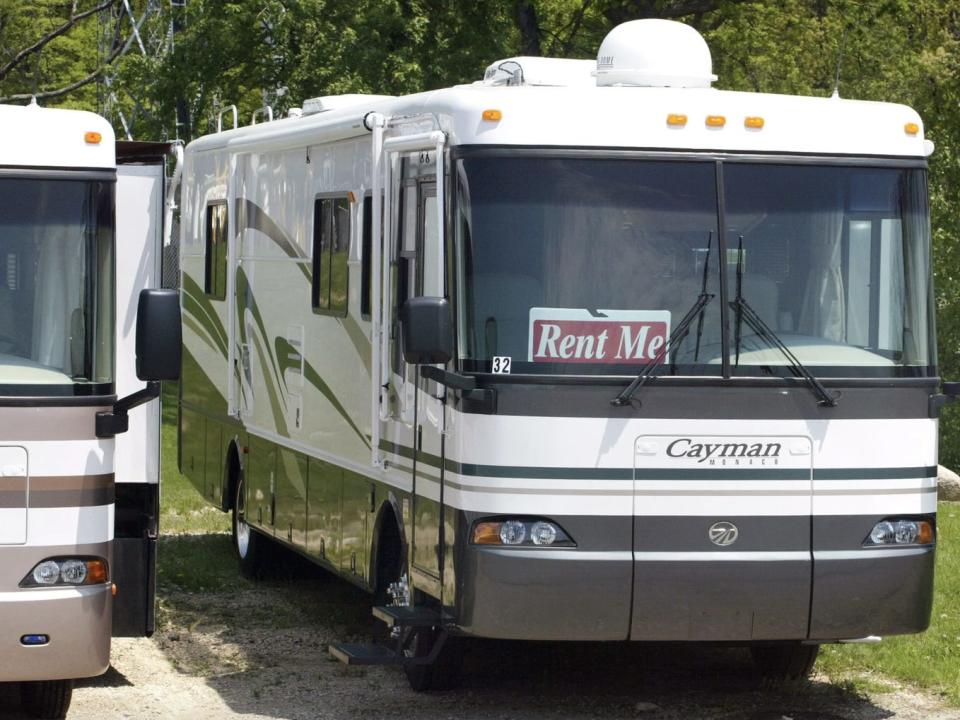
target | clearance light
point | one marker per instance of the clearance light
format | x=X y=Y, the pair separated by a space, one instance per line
x=716 y=121
x=900 y=532
x=67 y=571
x=676 y=120
x=351 y=197
x=754 y=123
x=492 y=115
x=92 y=138
x=911 y=128
x=520 y=532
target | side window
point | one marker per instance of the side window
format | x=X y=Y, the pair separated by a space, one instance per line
x=331 y=243
x=215 y=259
x=366 y=297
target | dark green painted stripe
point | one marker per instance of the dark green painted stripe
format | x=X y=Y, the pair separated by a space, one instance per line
x=200 y=332
x=903 y=473
x=207 y=315
x=247 y=300
x=359 y=340
x=252 y=216
x=274 y=396
x=732 y=473
x=313 y=377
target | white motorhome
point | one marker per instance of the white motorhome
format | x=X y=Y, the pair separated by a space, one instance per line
x=68 y=487
x=580 y=351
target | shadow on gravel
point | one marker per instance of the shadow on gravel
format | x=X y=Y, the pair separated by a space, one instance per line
x=262 y=646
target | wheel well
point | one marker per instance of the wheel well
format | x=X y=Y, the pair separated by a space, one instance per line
x=388 y=549
x=233 y=474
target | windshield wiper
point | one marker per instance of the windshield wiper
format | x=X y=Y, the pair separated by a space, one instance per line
x=676 y=337
x=747 y=314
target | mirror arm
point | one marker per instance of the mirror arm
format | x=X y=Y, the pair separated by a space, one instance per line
x=114 y=422
x=447 y=378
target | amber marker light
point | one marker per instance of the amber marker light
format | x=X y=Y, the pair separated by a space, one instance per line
x=486 y=533
x=96 y=572
x=925 y=534
x=911 y=128
x=716 y=121
x=92 y=138
x=492 y=115
x=753 y=122
x=351 y=197
x=676 y=120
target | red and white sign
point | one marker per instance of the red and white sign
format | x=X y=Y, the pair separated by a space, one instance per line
x=570 y=335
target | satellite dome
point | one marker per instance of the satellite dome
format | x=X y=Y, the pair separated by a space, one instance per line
x=654 y=53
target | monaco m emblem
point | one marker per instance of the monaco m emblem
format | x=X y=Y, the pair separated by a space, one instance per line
x=723 y=533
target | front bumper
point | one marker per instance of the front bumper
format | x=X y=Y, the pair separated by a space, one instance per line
x=571 y=594
x=77 y=621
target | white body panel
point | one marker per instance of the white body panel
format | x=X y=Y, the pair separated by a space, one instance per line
x=140 y=195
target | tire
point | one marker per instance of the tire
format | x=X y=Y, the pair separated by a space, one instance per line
x=445 y=672
x=46 y=699
x=789 y=661
x=248 y=545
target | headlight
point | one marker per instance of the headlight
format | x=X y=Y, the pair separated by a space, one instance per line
x=900 y=532
x=520 y=532
x=67 y=571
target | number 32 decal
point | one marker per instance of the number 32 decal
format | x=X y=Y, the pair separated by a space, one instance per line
x=501 y=365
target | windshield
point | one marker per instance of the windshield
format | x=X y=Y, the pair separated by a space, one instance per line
x=574 y=265
x=56 y=286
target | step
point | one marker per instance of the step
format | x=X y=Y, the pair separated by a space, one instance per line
x=365 y=654
x=401 y=616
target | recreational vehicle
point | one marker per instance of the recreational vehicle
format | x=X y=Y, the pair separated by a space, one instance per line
x=579 y=351
x=78 y=507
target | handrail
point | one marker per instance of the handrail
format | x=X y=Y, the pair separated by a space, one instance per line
x=265 y=109
x=228 y=108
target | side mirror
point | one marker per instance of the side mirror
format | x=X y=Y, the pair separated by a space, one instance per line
x=426 y=330
x=158 y=335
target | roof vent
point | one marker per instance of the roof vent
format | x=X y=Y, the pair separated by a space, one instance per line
x=654 y=53
x=549 y=72
x=337 y=102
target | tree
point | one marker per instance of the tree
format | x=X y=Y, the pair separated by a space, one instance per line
x=50 y=49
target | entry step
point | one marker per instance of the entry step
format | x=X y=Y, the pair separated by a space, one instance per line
x=365 y=654
x=402 y=616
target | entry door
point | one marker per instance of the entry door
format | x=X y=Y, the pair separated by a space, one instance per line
x=429 y=417
x=722 y=537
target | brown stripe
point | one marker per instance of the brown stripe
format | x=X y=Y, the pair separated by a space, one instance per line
x=48 y=423
x=62 y=491
x=71 y=482
x=71 y=498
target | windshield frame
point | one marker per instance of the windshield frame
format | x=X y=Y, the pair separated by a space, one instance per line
x=782 y=375
x=99 y=289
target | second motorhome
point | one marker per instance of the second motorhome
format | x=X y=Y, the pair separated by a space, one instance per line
x=581 y=351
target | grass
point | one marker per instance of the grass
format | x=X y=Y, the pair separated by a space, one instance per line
x=196 y=557
x=182 y=508
x=930 y=660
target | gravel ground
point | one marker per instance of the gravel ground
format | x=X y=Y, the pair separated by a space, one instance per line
x=260 y=652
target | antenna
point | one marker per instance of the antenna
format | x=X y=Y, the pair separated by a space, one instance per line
x=836 y=78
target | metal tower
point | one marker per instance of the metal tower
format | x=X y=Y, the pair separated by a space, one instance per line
x=146 y=27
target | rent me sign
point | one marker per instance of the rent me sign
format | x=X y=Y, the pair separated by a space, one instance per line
x=573 y=335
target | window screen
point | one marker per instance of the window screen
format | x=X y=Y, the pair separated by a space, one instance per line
x=215 y=267
x=331 y=243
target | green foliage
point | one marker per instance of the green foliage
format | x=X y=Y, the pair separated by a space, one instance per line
x=930 y=660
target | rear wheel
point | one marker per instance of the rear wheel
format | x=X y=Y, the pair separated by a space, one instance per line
x=445 y=671
x=788 y=661
x=46 y=699
x=247 y=544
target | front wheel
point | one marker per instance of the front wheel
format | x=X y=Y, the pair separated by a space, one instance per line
x=47 y=698
x=788 y=661
x=247 y=543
